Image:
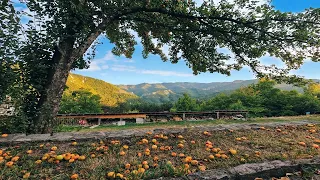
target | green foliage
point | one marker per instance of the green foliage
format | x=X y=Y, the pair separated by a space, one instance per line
x=263 y=99
x=237 y=106
x=12 y=124
x=139 y=105
x=220 y=102
x=313 y=89
x=110 y=94
x=164 y=92
x=9 y=28
x=186 y=103
x=80 y=102
x=173 y=109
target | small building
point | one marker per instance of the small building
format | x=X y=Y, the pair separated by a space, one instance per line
x=6 y=107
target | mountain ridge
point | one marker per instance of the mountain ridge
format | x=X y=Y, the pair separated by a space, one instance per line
x=112 y=95
x=150 y=91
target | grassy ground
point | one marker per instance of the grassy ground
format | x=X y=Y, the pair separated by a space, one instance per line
x=157 y=155
x=183 y=124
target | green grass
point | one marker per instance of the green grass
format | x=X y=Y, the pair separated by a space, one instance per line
x=183 y=124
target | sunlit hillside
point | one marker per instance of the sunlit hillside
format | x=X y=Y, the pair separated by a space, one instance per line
x=110 y=95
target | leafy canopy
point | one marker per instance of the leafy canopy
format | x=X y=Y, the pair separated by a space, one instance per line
x=9 y=44
x=193 y=32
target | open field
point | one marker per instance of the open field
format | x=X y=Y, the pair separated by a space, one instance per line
x=185 y=124
x=155 y=155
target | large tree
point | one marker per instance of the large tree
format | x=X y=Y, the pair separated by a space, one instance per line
x=61 y=33
x=313 y=89
x=186 y=103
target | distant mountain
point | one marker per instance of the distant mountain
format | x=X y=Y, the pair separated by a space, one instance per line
x=110 y=94
x=160 y=92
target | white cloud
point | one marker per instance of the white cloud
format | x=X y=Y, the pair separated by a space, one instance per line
x=100 y=64
x=111 y=57
x=107 y=57
x=135 y=34
x=123 y=68
x=94 y=66
x=153 y=72
x=269 y=61
x=103 y=63
x=129 y=61
x=165 y=73
x=266 y=60
x=165 y=49
x=105 y=67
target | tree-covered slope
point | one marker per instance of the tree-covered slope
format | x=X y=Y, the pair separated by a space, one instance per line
x=160 y=92
x=172 y=91
x=110 y=94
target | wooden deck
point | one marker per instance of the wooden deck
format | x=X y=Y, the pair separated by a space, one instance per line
x=104 y=116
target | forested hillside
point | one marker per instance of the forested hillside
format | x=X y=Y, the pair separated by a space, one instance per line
x=110 y=95
x=260 y=99
x=163 y=92
x=159 y=93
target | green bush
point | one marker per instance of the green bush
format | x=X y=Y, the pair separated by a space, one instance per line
x=12 y=124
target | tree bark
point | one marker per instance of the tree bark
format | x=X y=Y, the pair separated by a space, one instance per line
x=63 y=58
x=50 y=101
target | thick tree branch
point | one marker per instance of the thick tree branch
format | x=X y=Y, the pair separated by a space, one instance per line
x=189 y=16
x=99 y=29
x=248 y=24
x=175 y=28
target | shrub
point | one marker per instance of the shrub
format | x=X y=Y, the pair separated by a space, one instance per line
x=12 y=124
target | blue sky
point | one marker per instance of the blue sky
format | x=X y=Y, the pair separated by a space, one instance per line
x=119 y=70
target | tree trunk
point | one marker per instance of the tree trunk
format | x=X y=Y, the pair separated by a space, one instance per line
x=50 y=101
